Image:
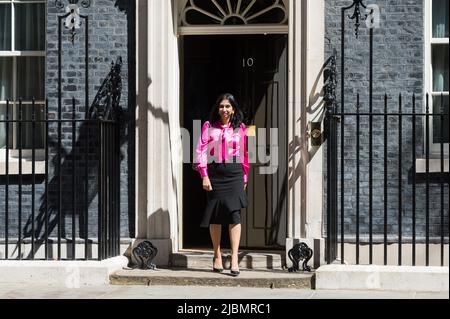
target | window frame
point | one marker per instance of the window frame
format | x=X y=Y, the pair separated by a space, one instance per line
x=435 y=148
x=14 y=54
x=14 y=103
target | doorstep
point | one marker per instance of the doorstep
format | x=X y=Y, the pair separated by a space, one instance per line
x=205 y=277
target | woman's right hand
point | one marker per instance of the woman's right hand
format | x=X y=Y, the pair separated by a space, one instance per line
x=207 y=184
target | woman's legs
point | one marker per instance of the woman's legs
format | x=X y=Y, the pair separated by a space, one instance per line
x=235 y=238
x=215 y=231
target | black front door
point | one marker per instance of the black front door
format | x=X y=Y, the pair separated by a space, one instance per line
x=254 y=69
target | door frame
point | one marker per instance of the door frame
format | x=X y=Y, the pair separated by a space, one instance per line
x=218 y=31
x=156 y=42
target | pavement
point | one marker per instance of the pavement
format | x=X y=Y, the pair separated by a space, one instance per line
x=71 y=291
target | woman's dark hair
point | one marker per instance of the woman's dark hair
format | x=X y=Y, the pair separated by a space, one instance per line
x=237 y=117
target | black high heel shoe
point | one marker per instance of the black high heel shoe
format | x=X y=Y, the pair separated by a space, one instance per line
x=216 y=269
x=234 y=273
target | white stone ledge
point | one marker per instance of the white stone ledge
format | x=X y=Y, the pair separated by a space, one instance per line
x=434 y=165
x=72 y=274
x=27 y=167
x=374 y=277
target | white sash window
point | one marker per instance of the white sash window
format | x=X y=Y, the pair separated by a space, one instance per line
x=22 y=71
x=436 y=58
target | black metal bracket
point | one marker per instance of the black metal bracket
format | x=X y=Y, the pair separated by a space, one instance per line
x=330 y=80
x=143 y=254
x=106 y=104
x=72 y=15
x=300 y=252
x=357 y=15
x=84 y=3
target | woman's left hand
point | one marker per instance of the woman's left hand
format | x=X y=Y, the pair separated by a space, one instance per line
x=245 y=186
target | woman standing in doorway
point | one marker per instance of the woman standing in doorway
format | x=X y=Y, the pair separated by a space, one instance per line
x=222 y=160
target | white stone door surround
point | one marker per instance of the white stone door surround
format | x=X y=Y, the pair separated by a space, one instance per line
x=158 y=143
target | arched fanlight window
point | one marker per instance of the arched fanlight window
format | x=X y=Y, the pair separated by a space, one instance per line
x=233 y=12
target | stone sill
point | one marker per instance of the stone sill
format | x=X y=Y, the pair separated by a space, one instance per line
x=434 y=165
x=27 y=167
x=54 y=240
x=27 y=164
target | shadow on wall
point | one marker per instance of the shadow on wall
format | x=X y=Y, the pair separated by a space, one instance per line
x=161 y=241
x=50 y=218
x=158 y=114
x=160 y=220
x=124 y=6
x=299 y=145
x=65 y=168
x=315 y=106
x=129 y=8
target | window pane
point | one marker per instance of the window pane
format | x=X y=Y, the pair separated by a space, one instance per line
x=30 y=78
x=3 y=125
x=437 y=119
x=440 y=67
x=6 y=78
x=440 y=18
x=30 y=26
x=27 y=128
x=5 y=27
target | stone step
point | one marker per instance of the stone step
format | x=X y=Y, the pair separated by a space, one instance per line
x=247 y=260
x=203 y=277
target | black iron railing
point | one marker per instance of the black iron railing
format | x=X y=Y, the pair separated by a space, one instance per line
x=406 y=205
x=73 y=176
x=387 y=177
x=71 y=201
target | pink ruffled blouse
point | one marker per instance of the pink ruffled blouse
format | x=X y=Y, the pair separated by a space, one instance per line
x=219 y=143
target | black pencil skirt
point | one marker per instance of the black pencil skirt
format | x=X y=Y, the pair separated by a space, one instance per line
x=225 y=201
